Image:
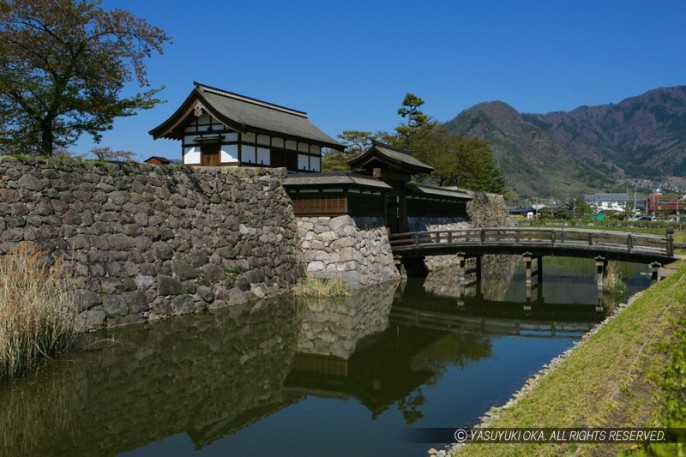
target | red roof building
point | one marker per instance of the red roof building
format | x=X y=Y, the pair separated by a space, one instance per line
x=658 y=203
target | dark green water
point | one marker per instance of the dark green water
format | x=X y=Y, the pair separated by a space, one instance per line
x=341 y=377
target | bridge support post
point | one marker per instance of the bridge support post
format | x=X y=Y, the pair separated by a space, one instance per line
x=478 y=276
x=478 y=268
x=670 y=242
x=539 y=284
x=655 y=271
x=528 y=259
x=529 y=273
x=528 y=263
x=527 y=305
x=600 y=302
x=462 y=280
x=600 y=271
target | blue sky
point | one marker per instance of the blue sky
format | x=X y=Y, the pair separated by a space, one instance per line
x=348 y=64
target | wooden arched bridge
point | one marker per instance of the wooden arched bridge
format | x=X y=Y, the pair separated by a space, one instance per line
x=537 y=242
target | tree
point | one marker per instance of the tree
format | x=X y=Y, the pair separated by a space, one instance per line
x=415 y=118
x=457 y=160
x=575 y=208
x=108 y=154
x=355 y=142
x=465 y=162
x=63 y=65
x=410 y=109
x=579 y=208
x=333 y=160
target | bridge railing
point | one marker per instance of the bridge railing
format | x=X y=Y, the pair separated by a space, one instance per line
x=549 y=237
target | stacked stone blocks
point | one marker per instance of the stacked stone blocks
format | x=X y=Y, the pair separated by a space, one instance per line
x=142 y=242
x=356 y=250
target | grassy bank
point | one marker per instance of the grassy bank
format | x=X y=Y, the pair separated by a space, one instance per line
x=36 y=311
x=609 y=381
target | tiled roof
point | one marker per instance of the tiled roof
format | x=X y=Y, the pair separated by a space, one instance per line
x=245 y=114
x=328 y=179
x=392 y=155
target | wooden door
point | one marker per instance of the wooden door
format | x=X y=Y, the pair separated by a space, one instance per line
x=278 y=158
x=209 y=154
x=291 y=160
x=392 y=216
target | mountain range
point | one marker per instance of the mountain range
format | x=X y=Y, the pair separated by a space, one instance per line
x=586 y=150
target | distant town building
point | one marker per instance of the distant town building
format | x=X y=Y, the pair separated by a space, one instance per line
x=528 y=212
x=658 y=203
x=607 y=202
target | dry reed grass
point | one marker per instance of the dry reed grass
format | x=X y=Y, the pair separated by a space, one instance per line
x=37 y=311
x=315 y=287
x=613 y=283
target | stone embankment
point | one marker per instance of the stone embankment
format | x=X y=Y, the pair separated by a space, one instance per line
x=484 y=210
x=488 y=210
x=356 y=250
x=143 y=242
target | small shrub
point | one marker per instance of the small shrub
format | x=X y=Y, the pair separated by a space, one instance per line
x=315 y=287
x=37 y=310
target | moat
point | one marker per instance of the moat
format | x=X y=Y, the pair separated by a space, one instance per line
x=295 y=377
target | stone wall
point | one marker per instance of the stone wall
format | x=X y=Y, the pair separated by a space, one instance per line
x=488 y=210
x=356 y=250
x=484 y=210
x=422 y=224
x=143 y=241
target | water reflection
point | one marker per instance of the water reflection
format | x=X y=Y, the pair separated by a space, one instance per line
x=564 y=282
x=497 y=272
x=492 y=317
x=206 y=376
x=348 y=349
x=383 y=359
x=335 y=326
